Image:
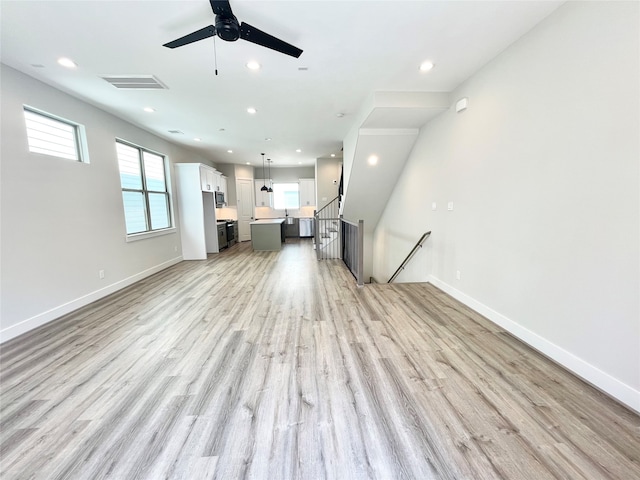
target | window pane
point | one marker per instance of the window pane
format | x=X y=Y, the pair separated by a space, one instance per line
x=158 y=205
x=154 y=172
x=135 y=214
x=50 y=136
x=285 y=195
x=129 y=164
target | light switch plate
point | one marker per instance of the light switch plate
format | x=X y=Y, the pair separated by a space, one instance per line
x=433 y=206
x=450 y=206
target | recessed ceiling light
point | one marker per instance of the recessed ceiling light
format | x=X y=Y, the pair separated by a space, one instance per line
x=372 y=160
x=333 y=155
x=298 y=150
x=67 y=62
x=229 y=151
x=149 y=109
x=299 y=163
x=253 y=65
x=197 y=139
x=251 y=110
x=248 y=163
x=268 y=139
x=426 y=66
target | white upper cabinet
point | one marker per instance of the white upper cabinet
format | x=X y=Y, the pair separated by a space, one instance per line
x=307 y=192
x=263 y=199
x=207 y=178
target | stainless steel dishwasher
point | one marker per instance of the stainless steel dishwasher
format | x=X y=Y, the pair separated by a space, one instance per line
x=306 y=227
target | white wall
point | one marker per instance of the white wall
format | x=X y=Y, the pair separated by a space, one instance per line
x=543 y=170
x=63 y=221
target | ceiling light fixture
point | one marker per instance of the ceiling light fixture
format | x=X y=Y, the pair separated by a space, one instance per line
x=67 y=62
x=270 y=190
x=229 y=151
x=426 y=66
x=149 y=109
x=373 y=160
x=253 y=65
x=264 y=185
x=268 y=139
x=251 y=110
x=333 y=155
x=198 y=139
x=298 y=150
x=248 y=163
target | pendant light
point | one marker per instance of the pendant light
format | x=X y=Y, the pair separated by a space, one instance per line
x=270 y=190
x=264 y=185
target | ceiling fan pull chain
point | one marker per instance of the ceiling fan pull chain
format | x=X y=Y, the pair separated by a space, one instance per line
x=215 y=56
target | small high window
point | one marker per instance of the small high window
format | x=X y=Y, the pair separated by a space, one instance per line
x=54 y=136
x=144 y=189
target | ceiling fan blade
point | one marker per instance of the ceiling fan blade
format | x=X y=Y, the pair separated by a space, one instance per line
x=201 y=34
x=221 y=7
x=254 y=35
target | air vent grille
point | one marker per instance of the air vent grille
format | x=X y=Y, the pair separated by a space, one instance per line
x=135 y=82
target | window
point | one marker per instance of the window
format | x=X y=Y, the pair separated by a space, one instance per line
x=54 y=136
x=144 y=189
x=285 y=195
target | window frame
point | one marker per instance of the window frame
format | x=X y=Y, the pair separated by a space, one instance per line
x=145 y=191
x=79 y=134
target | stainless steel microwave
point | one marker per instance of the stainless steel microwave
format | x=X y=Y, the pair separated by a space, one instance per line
x=219 y=199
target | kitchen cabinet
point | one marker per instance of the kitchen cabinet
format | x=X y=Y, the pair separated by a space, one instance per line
x=268 y=234
x=196 y=211
x=222 y=235
x=207 y=178
x=263 y=199
x=307 y=188
x=222 y=187
x=291 y=228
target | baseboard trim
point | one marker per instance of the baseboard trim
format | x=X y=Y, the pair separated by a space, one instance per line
x=593 y=375
x=57 y=312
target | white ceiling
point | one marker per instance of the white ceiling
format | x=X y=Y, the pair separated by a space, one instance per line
x=351 y=49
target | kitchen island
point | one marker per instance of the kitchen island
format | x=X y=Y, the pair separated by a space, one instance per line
x=267 y=234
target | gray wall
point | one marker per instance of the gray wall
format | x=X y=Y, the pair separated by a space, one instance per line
x=543 y=172
x=327 y=171
x=285 y=174
x=63 y=221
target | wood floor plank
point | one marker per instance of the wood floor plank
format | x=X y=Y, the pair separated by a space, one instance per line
x=272 y=365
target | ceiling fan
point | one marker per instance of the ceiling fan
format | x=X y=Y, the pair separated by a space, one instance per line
x=228 y=29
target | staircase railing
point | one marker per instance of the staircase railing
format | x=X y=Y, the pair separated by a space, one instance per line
x=337 y=238
x=410 y=256
x=327 y=230
x=353 y=248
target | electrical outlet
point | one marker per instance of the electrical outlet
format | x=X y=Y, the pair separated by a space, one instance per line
x=457 y=274
x=450 y=206
x=101 y=273
x=434 y=206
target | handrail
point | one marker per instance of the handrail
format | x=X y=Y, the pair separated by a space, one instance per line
x=327 y=205
x=410 y=256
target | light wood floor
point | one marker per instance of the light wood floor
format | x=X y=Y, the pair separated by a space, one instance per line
x=275 y=366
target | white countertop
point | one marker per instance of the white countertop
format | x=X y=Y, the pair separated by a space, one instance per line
x=268 y=221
